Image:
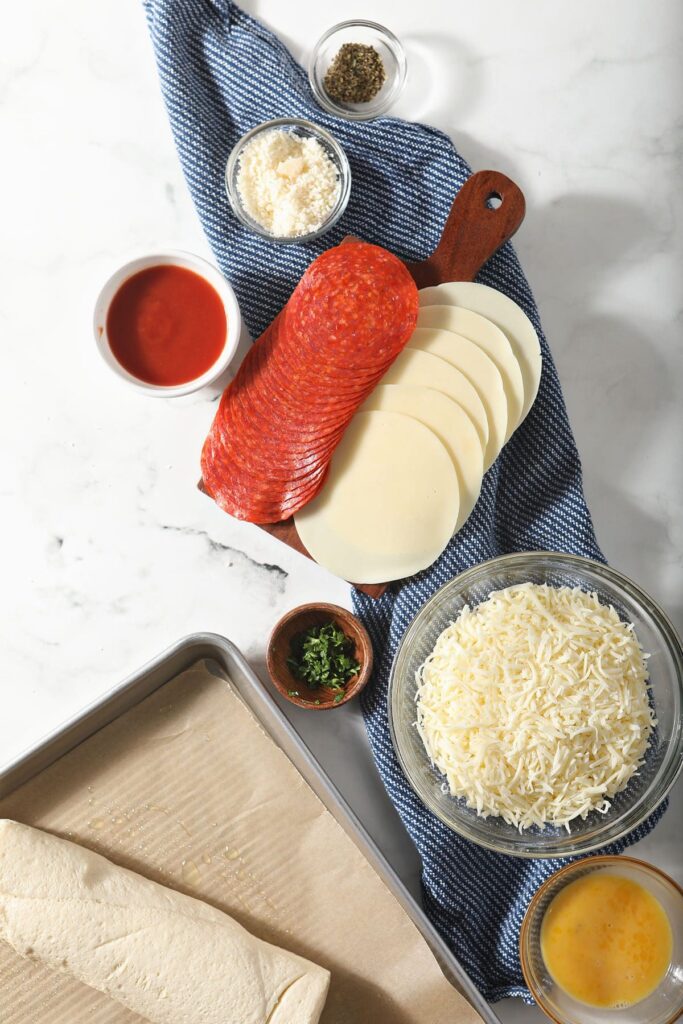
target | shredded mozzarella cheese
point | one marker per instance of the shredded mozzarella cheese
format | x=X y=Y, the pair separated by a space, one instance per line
x=534 y=705
x=287 y=183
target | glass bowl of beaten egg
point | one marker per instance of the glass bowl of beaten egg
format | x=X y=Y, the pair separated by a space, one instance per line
x=663 y=758
x=602 y=940
x=288 y=180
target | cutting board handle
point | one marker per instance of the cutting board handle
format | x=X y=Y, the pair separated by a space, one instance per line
x=474 y=230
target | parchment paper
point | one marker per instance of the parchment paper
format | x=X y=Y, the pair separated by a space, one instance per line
x=187 y=789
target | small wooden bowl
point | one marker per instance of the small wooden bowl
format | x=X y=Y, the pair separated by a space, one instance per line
x=279 y=650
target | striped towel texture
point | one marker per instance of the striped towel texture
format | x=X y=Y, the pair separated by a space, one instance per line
x=222 y=73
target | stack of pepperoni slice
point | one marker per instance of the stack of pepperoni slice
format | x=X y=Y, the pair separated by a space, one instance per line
x=283 y=415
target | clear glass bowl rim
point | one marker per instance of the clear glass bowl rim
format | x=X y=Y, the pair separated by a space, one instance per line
x=395 y=45
x=601 y=860
x=670 y=769
x=342 y=165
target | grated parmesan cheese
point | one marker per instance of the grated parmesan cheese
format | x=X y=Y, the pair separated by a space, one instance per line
x=534 y=705
x=287 y=183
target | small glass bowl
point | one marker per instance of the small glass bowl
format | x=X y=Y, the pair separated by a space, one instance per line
x=306 y=129
x=663 y=758
x=368 y=33
x=663 y=1006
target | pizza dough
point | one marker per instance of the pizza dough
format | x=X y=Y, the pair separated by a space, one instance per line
x=167 y=957
x=503 y=312
x=429 y=371
x=489 y=338
x=389 y=505
x=481 y=372
x=449 y=422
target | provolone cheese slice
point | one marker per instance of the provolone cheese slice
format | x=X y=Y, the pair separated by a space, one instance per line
x=503 y=312
x=449 y=422
x=481 y=372
x=492 y=340
x=415 y=367
x=389 y=505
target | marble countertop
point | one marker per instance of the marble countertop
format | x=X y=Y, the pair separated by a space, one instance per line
x=110 y=552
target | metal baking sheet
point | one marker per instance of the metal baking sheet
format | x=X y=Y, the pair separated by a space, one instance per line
x=228 y=659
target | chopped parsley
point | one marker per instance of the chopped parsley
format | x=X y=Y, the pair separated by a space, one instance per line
x=323 y=656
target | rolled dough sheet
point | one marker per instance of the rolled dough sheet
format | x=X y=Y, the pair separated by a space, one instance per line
x=188 y=790
x=171 y=958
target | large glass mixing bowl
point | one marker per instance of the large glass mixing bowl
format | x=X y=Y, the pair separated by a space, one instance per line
x=664 y=757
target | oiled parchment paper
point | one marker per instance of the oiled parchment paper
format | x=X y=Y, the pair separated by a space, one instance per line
x=188 y=789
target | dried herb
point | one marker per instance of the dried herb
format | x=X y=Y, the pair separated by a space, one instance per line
x=323 y=656
x=355 y=75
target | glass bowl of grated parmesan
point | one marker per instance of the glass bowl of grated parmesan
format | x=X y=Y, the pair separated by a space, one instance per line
x=535 y=705
x=288 y=180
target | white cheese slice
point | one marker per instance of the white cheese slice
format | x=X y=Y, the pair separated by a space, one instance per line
x=428 y=371
x=449 y=422
x=489 y=338
x=503 y=312
x=167 y=957
x=481 y=372
x=389 y=505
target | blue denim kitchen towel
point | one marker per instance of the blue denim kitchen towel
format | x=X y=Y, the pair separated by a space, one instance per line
x=222 y=73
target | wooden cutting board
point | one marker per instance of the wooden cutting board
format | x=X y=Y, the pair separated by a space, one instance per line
x=474 y=230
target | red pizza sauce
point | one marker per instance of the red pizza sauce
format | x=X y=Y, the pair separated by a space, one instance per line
x=166 y=325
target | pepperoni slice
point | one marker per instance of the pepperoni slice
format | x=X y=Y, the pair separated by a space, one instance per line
x=280 y=420
x=253 y=498
x=354 y=307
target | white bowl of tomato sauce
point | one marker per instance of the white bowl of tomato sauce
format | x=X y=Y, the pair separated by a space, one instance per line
x=167 y=324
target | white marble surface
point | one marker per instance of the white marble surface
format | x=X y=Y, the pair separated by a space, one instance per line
x=110 y=553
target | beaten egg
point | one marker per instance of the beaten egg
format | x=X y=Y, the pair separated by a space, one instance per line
x=606 y=940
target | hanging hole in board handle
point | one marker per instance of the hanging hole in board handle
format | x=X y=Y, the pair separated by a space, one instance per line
x=471 y=235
